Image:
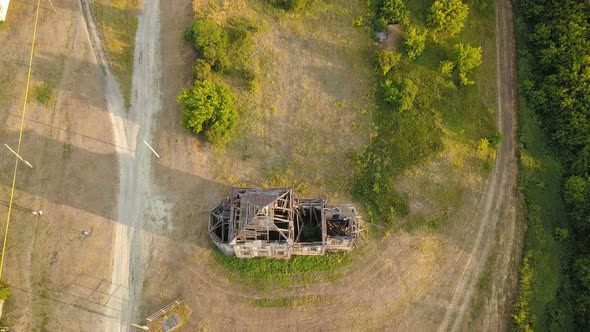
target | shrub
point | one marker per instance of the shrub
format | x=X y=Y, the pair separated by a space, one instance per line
x=201 y=70
x=385 y=60
x=291 y=5
x=380 y=24
x=414 y=42
x=43 y=94
x=466 y=58
x=447 y=67
x=208 y=107
x=447 y=17
x=495 y=139
x=400 y=93
x=483 y=149
x=561 y=233
x=210 y=40
x=392 y=11
x=4 y=290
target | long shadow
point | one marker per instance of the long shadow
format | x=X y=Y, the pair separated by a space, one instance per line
x=59 y=176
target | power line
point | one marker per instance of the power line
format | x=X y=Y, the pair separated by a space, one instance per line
x=20 y=136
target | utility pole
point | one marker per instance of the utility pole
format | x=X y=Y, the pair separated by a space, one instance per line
x=154 y=151
x=19 y=157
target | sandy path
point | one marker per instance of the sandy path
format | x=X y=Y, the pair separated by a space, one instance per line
x=499 y=200
x=135 y=161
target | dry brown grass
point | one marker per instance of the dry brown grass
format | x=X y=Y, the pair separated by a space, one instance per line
x=309 y=108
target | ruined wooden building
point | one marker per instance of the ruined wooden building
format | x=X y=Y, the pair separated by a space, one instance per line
x=277 y=223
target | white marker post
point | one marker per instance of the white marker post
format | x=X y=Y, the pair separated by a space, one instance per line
x=154 y=151
x=19 y=157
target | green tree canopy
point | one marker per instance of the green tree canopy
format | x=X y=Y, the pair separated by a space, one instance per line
x=466 y=58
x=385 y=60
x=447 y=17
x=414 y=41
x=210 y=40
x=400 y=93
x=208 y=107
x=392 y=11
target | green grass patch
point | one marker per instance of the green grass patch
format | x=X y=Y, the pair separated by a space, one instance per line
x=289 y=302
x=4 y=290
x=43 y=94
x=117 y=24
x=265 y=273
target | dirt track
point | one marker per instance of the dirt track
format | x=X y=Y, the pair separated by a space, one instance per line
x=135 y=162
x=499 y=200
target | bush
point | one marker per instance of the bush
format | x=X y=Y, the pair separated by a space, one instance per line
x=4 y=290
x=291 y=5
x=43 y=94
x=447 y=17
x=495 y=139
x=466 y=58
x=414 y=42
x=400 y=93
x=201 y=70
x=208 y=107
x=210 y=40
x=560 y=233
x=447 y=67
x=392 y=12
x=385 y=60
x=380 y=24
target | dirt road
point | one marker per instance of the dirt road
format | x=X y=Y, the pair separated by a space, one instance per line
x=135 y=162
x=499 y=199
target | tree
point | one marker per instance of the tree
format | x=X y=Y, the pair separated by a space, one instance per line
x=393 y=11
x=208 y=107
x=466 y=58
x=201 y=70
x=447 y=17
x=291 y=5
x=400 y=93
x=385 y=60
x=210 y=40
x=414 y=41
x=576 y=190
x=447 y=67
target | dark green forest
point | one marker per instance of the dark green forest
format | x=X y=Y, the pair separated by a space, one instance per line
x=554 y=85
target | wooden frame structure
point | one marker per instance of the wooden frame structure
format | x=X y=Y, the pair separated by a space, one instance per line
x=276 y=223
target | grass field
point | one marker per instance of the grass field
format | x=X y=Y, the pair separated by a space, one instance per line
x=309 y=107
x=117 y=23
x=447 y=120
x=316 y=103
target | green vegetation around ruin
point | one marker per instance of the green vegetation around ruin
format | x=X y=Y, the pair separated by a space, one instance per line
x=266 y=274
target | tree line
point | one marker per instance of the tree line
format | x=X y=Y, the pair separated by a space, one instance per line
x=556 y=48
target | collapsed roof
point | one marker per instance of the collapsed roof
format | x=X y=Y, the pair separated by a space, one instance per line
x=256 y=222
